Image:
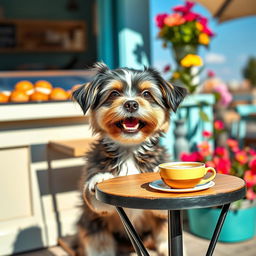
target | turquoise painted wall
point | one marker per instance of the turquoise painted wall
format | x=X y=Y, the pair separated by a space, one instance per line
x=50 y=10
x=133 y=33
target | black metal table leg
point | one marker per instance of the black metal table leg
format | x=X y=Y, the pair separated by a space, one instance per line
x=135 y=239
x=217 y=230
x=175 y=233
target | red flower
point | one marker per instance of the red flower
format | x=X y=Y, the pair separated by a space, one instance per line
x=250 y=194
x=184 y=8
x=207 y=134
x=250 y=178
x=241 y=157
x=208 y=31
x=221 y=151
x=222 y=165
x=210 y=73
x=191 y=157
x=167 y=68
x=218 y=125
x=160 y=19
x=252 y=165
x=203 y=21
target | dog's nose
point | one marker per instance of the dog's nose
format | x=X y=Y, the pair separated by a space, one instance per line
x=131 y=106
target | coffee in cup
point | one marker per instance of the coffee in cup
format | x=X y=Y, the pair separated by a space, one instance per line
x=185 y=174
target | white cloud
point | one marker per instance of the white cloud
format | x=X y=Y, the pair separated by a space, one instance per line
x=215 y=58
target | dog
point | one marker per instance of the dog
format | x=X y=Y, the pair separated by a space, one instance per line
x=129 y=110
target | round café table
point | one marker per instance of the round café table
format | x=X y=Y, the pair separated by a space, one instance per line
x=133 y=191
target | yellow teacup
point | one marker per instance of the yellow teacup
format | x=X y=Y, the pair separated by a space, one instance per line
x=185 y=174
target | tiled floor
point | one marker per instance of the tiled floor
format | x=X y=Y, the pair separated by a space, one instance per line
x=195 y=246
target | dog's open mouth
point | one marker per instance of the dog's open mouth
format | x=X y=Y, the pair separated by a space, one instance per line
x=130 y=125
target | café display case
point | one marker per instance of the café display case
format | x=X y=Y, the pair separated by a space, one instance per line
x=28 y=207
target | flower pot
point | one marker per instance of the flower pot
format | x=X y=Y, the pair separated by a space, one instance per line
x=180 y=51
x=239 y=225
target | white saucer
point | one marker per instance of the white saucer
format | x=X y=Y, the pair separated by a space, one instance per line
x=160 y=185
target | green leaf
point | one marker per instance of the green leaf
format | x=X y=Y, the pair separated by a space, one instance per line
x=203 y=116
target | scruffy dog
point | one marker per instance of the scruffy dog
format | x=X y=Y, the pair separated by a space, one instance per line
x=129 y=109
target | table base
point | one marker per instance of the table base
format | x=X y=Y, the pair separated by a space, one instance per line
x=175 y=238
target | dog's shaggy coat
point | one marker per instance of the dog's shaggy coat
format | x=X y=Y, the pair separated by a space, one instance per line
x=129 y=110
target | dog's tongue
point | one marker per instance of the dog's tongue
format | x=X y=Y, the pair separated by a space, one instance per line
x=131 y=122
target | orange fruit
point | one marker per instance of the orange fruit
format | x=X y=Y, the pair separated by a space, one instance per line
x=76 y=86
x=58 y=94
x=43 y=86
x=25 y=86
x=38 y=96
x=3 y=98
x=19 y=96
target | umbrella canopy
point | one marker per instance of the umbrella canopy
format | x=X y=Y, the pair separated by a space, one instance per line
x=225 y=10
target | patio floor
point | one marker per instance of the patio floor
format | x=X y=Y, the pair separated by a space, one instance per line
x=194 y=246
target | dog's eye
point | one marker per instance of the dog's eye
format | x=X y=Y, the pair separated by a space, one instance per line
x=146 y=94
x=114 y=94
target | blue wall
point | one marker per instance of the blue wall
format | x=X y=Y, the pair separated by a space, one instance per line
x=51 y=10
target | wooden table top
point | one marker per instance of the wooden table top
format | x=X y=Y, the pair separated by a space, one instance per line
x=133 y=191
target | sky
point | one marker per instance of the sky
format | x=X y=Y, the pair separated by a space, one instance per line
x=229 y=50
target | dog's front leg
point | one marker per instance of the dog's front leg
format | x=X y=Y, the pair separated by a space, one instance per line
x=89 y=194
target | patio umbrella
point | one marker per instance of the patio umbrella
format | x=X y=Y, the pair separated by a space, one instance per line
x=225 y=10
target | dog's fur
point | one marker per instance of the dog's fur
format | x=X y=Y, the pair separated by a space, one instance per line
x=129 y=109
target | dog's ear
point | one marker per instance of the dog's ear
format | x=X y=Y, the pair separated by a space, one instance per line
x=100 y=67
x=174 y=95
x=86 y=95
x=81 y=96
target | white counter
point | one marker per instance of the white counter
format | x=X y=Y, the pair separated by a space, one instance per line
x=29 y=193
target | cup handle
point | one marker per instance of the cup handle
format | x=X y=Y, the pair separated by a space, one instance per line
x=208 y=169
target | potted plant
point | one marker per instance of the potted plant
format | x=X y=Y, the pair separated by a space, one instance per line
x=184 y=31
x=240 y=223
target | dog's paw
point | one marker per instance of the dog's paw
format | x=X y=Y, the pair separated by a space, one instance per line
x=97 y=179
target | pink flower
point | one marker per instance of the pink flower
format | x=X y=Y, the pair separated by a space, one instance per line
x=222 y=165
x=250 y=194
x=210 y=164
x=160 y=19
x=252 y=152
x=167 y=68
x=191 y=157
x=184 y=8
x=232 y=143
x=204 y=148
x=225 y=95
x=241 y=157
x=190 y=16
x=174 y=19
x=207 y=134
x=218 y=125
x=250 y=178
x=210 y=73
x=252 y=165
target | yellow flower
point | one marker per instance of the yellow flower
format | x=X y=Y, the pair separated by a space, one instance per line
x=175 y=75
x=199 y=26
x=204 y=39
x=191 y=60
